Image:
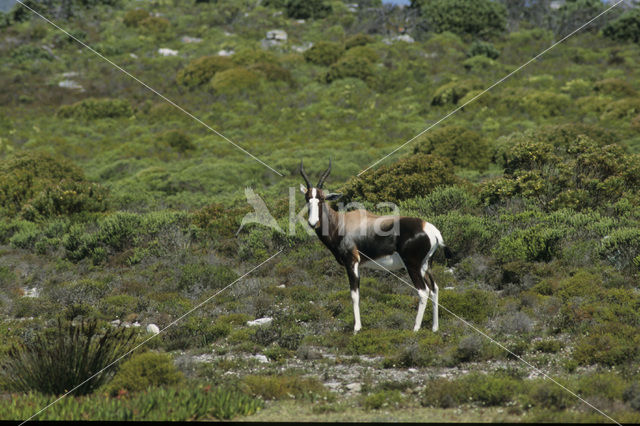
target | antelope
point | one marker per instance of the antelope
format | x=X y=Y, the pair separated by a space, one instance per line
x=359 y=238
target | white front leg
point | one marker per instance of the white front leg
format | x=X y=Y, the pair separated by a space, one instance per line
x=424 y=296
x=355 y=297
x=434 y=298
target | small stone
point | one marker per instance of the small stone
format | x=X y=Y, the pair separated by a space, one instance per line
x=165 y=51
x=279 y=35
x=225 y=52
x=260 y=358
x=281 y=286
x=133 y=55
x=70 y=84
x=136 y=324
x=115 y=322
x=153 y=329
x=260 y=321
x=354 y=387
x=187 y=39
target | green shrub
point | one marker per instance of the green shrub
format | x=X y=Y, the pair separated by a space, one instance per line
x=376 y=342
x=444 y=393
x=451 y=93
x=576 y=88
x=196 y=277
x=283 y=386
x=483 y=48
x=621 y=246
x=39 y=185
x=545 y=104
x=466 y=234
x=133 y=17
x=234 y=80
x=614 y=87
x=465 y=148
x=351 y=66
x=491 y=389
x=625 y=28
x=546 y=394
x=443 y=200
x=623 y=109
x=365 y=52
x=144 y=370
x=480 y=63
x=412 y=177
x=551 y=346
x=473 y=305
x=324 y=53
x=538 y=243
x=178 y=140
x=29 y=53
x=154 y=26
x=200 y=71
x=93 y=109
x=307 y=9
x=54 y=363
x=604 y=347
x=484 y=18
x=359 y=39
x=273 y=72
x=383 y=399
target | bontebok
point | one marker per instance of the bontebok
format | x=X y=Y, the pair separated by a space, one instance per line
x=359 y=238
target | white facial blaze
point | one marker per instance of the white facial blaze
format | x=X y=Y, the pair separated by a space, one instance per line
x=314 y=213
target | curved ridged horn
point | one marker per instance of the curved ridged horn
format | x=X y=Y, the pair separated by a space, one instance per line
x=304 y=175
x=324 y=175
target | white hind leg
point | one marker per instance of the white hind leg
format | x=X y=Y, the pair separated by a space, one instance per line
x=424 y=297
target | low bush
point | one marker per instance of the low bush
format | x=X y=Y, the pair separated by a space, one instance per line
x=359 y=39
x=450 y=93
x=389 y=399
x=548 y=395
x=625 y=28
x=28 y=53
x=154 y=26
x=200 y=71
x=93 y=109
x=324 y=53
x=177 y=140
x=483 y=48
x=538 y=243
x=283 y=387
x=482 y=19
x=133 y=17
x=412 y=177
x=351 y=66
x=54 y=363
x=614 y=87
x=465 y=148
x=234 y=80
x=142 y=371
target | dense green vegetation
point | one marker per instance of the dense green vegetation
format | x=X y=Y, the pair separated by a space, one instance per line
x=115 y=205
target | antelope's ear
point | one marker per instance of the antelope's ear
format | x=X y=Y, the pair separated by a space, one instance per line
x=303 y=189
x=333 y=196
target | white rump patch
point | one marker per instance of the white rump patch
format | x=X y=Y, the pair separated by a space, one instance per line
x=392 y=262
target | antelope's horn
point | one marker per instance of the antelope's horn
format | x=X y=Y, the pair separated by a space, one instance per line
x=304 y=175
x=324 y=175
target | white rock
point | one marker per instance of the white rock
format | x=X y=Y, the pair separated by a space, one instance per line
x=261 y=358
x=333 y=385
x=70 y=84
x=70 y=74
x=115 y=322
x=165 y=51
x=354 y=387
x=225 y=52
x=448 y=288
x=260 y=321
x=133 y=55
x=405 y=37
x=300 y=21
x=187 y=39
x=279 y=35
x=303 y=47
x=136 y=324
x=31 y=292
x=153 y=329
x=352 y=7
x=281 y=286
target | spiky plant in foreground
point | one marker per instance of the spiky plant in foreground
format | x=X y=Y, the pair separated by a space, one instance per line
x=56 y=362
